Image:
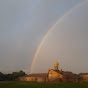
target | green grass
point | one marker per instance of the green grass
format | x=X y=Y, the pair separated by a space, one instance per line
x=41 y=85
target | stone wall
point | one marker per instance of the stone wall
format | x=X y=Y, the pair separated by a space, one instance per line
x=54 y=76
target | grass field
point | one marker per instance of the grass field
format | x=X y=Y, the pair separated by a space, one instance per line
x=41 y=85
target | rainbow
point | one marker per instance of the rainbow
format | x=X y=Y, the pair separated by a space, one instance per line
x=50 y=30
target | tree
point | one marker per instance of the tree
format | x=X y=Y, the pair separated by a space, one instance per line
x=21 y=73
x=1 y=76
x=13 y=76
x=16 y=75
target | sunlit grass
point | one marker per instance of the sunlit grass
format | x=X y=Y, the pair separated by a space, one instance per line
x=41 y=85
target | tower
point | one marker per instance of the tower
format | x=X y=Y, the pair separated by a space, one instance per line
x=60 y=70
x=56 y=65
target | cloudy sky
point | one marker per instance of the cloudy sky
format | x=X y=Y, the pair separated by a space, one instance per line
x=23 y=24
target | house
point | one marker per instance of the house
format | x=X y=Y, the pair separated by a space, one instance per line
x=83 y=77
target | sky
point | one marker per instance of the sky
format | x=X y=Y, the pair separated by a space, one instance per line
x=24 y=23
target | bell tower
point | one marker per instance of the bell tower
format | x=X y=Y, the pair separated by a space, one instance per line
x=56 y=65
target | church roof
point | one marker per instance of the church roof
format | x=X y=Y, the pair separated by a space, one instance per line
x=67 y=74
x=83 y=73
x=37 y=75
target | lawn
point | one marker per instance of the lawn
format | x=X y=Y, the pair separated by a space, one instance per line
x=41 y=85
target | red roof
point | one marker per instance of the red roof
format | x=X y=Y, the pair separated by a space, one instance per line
x=83 y=73
x=38 y=75
x=67 y=74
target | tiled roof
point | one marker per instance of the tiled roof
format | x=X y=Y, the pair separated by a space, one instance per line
x=63 y=72
x=67 y=74
x=56 y=71
x=83 y=73
x=37 y=75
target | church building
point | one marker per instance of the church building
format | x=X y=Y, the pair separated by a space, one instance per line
x=53 y=75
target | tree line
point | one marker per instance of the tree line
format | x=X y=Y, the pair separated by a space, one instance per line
x=11 y=77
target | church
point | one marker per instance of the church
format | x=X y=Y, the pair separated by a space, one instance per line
x=53 y=75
